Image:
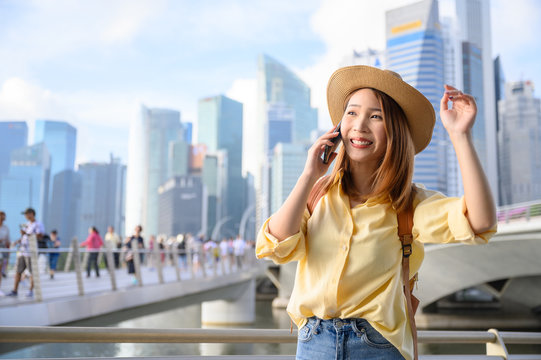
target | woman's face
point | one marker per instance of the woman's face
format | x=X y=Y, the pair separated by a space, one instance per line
x=363 y=128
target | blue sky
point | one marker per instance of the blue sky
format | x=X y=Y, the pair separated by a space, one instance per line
x=94 y=62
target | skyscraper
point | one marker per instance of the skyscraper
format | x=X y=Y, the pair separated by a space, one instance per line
x=499 y=90
x=520 y=143
x=474 y=74
x=150 y=138
x=103 y=198
x=220 y=124
x=26 y=185
x=60 y=138
x=415 y=51
x=179 y=158
x=13 y=135
x=278 y=85
x=280 y=125
x=181 y=205
x=64 y=212
x=215 y=182
x=287 y=165
x=188 y=130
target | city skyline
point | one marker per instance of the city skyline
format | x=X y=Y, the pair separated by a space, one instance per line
x=100 y=91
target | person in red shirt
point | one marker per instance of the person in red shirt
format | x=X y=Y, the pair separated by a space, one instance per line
x=93 y=243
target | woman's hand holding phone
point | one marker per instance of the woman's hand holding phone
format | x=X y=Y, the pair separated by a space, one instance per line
x=330 y=149
x=315 y=166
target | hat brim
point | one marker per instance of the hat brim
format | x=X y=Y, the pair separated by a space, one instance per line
x=418 y=110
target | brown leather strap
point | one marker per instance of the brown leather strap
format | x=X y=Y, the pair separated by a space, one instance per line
x=315 y=194
x=405 y=225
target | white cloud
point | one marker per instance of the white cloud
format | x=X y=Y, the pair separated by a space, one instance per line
x=344 y=26
x=347 y=25
x=127 y=18
x=101 y=119
x=515 y=37
x=21 y=99
x=50 y=30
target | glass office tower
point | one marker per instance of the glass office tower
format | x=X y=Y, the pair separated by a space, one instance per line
x=102 y=196
x=415 y=51
x=150 y=138
x=520 y=143
x=220 y=128
x=13 y=135
x=26 y=185
x=278 y=85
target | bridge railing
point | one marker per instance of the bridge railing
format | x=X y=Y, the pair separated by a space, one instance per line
x=495 y=342
x=522 y=211
x=192 y=263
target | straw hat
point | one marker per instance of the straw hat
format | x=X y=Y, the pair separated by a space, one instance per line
x=418 y=110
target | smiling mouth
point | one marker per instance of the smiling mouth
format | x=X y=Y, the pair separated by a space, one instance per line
x=361 y=142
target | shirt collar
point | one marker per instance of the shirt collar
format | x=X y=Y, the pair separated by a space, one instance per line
x=372 y=201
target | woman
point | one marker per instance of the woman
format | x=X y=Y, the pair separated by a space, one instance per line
x=129 y=253
x=348 y=299
x=93 y=243
x=53 y=256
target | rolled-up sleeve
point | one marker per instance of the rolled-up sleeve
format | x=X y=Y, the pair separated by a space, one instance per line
x=441 y=219
x=290 y=249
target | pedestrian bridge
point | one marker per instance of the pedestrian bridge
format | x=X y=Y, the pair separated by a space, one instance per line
x=225 y=286
x=508 y=266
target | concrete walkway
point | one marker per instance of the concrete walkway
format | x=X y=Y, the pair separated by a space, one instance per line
x=62 y=303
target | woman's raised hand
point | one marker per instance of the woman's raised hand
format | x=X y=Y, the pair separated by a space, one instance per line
x=314 y=167
x=460 y=117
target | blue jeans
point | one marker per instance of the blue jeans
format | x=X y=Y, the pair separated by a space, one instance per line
x=53 y=259
x=341 y=339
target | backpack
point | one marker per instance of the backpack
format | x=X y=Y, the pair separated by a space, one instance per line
x=43 y=243
x=405 y=225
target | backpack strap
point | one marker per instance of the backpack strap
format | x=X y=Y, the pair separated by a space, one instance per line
x=315 y=194
x=405 y=225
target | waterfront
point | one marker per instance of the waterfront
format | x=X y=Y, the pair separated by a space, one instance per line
x=186 y=313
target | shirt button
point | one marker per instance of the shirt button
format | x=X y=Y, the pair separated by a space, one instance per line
x=344 y=247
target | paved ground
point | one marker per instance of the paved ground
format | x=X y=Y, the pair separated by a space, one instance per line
x=64 y=285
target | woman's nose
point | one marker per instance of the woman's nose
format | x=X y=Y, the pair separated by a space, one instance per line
x=361 y=124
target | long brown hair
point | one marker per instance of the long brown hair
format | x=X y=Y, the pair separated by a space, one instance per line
x=392 y=179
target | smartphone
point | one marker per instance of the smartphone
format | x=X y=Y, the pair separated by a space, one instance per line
x=329 y=149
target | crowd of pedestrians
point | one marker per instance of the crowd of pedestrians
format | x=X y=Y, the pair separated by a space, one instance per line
x=191 y=253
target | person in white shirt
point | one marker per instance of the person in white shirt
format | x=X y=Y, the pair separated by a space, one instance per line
x=239 y=246
x=32 y=227
x=4 y=244
x=113 y=239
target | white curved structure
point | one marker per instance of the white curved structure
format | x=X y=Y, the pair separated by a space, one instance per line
x=514 y=252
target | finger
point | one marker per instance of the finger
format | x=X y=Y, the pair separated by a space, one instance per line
x=329 y=135
x=443 y=102
x=461 y=98
x=449 y=87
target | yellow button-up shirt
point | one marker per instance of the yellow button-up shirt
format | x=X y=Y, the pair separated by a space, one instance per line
x=349 y=259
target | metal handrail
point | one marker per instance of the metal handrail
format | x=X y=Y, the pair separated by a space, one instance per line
x=78 y=258
x=494 y=340
x=65 y=334
x=522 y=211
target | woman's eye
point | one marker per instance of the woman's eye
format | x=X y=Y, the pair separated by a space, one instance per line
x=377 y=117
x=351 y=112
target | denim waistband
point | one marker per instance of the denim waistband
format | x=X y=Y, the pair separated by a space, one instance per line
x=338 y=323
